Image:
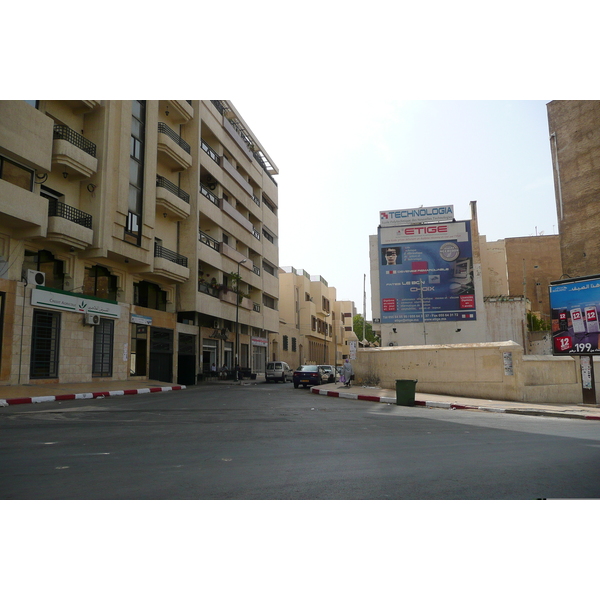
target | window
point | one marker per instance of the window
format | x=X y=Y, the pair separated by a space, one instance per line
x=16 y=174
x=285 y=342
x=100 y=283
x=269 y=268
x=133 y=226
x=149 y=295
x=43 y=260
x=268 y=301
x=294 y=347
x=44 y=345
x=103 y=348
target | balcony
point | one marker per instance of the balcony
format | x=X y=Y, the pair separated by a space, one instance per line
x=231 y=297
x=69 y=226
x=170 y=265
x=22 y=211
x=73 y=153
x=171 y=199
x=174 y=150
x=182 y=110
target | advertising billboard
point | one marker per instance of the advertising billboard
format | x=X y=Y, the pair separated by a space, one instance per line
x=426 y=269
x=574 y=306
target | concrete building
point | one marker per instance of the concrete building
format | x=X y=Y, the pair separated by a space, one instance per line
x=522 y=266
x=574 y=128
x=136 y=237
x=314 y=327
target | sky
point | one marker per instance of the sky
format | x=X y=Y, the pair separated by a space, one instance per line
x=342 y=162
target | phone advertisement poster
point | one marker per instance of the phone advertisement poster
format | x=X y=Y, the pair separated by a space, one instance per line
x=426 y=269
x=574 y=306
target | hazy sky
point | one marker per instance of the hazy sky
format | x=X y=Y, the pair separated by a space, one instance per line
x=344 y=160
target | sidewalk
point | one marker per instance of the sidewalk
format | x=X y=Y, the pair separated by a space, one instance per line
x=33 y=394
x=374 y=394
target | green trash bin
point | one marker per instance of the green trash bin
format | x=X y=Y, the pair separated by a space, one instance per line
x=405 y=392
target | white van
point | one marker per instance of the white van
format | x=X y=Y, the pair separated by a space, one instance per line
x=278 y=371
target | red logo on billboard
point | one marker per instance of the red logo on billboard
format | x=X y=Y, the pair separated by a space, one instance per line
x=467 y=301
x=563 y=343
x=419 y=267
x=389 y=304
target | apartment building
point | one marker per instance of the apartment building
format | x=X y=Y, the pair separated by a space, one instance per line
x=574 y=127
x=138 y=240
x=314 y=327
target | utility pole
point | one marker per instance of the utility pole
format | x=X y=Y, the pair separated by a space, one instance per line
x=423 y=312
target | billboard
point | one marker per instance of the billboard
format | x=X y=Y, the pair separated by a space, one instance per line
x=433 y=262
x=574 y=306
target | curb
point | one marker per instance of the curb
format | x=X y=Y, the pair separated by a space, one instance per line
x=89 y=395
x=452 y=406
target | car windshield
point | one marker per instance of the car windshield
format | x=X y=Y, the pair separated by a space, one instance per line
x=311 y=368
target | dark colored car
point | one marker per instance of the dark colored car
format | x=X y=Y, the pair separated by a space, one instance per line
x=308 y=375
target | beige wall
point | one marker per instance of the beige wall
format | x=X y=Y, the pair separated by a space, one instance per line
x=474 y=371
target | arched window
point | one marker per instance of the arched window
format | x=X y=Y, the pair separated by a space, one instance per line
x=43 y=260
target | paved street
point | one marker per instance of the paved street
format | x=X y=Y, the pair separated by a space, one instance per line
x=270 y=441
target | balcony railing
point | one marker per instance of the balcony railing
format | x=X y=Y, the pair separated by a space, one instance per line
x=165 y=183
x=164 y=128
x=60 y=209
x=211 y=242
x=206 y=192
x=205 y=288
x=218 y=106
x=210 y=152
x=162 y=252
x=62 y=132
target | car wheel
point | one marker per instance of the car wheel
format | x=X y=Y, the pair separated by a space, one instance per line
x=296 y=385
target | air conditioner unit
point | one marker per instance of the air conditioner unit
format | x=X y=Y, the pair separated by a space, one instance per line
x=35 y=277
x=92 y=319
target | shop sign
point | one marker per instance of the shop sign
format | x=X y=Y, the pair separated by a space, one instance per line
x=256 y=341
x=141 y=319
x=48 y=298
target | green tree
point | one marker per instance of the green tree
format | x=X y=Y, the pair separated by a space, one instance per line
x=358 y=326
x=536 y=324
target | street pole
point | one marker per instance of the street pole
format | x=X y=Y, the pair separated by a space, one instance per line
x=237 y=318
x=423 y=313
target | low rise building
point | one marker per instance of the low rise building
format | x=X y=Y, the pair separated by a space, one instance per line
x=314 y=327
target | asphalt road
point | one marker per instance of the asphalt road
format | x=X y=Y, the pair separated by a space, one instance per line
x=270 y=441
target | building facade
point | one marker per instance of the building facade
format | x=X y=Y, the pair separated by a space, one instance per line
x=315 y=327
x=574 y=128
x=137 y=238
x=522 y=266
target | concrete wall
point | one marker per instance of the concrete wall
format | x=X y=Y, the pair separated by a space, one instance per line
x=496 y=371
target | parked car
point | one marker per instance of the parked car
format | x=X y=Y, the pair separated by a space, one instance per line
x=330 y=372
x=278 y=371
x=307 y=375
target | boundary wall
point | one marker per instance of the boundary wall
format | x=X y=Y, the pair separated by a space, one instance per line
x=493 y=370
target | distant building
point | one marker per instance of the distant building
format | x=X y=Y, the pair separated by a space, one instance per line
x=314 y=327
x=574 y=127
x=522 y=266
x=123 y=227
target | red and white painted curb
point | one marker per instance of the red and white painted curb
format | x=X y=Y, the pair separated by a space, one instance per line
x=451 y=405
x=88 y=395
